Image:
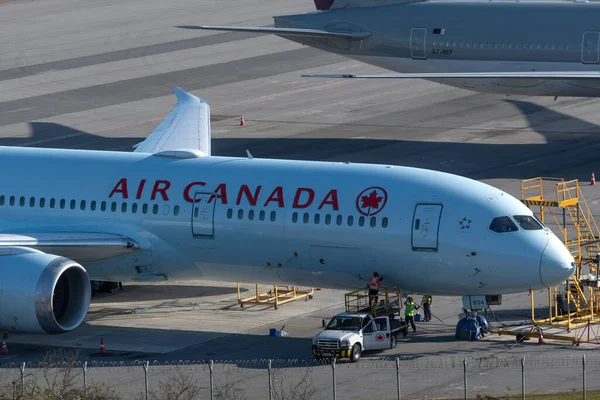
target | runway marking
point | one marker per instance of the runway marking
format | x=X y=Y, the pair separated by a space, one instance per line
x=20 y=109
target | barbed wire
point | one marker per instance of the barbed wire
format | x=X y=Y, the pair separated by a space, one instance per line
x=406 y=362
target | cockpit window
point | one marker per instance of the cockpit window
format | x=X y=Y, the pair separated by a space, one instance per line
x=503 y=224
x=527 y=222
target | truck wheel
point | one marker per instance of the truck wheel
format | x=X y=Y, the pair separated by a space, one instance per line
x=355 y=353
x=394 y=341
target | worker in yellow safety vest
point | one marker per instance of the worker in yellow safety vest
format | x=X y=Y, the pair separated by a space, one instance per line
x=374 y=285
x=409 y=312
x=426 y=303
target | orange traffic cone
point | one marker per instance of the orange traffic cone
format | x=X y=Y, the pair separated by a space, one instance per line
x=102 y=349
x=242 y=121
x=4 y=348
x=540 y=337
x=593 y=182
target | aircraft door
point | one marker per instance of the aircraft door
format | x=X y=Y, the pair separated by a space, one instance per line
x=590 y=48
x=203 y=215
x=417 y=43
x=425 y=228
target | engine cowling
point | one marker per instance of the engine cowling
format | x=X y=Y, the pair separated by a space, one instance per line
x=41 y=292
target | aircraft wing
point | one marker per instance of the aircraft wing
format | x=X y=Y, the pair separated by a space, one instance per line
x=187 y=127
x=77 y=246
x=469 y=75
x=285 y=31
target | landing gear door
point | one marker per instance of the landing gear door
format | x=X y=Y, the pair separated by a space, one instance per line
x=590 y=48
x=203 y=215
x=425 y=227
x=417 y=43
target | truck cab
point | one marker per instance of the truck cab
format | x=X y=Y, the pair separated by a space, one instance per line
x=347 y=335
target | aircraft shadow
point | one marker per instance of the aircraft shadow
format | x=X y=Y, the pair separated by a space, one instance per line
x=143 y=293
x=569 y=152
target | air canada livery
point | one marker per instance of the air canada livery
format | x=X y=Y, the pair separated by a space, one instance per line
x=533 y=48
x=171 y=210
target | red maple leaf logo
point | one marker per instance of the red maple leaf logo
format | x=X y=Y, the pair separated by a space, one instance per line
x=371 y=201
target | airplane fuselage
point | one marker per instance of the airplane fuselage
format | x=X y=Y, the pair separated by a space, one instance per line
x=272 y=221
x=465 y=36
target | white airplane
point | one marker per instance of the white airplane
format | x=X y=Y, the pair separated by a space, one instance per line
x=171 y=210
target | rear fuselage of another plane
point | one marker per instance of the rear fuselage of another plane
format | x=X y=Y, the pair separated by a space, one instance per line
x=465 y=36
x=303 y=223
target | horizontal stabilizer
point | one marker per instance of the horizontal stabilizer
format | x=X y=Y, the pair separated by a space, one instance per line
x=77 y=246
x=285 y=31
x=469 y=75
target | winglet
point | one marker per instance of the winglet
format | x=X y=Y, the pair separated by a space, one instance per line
x=187 y=127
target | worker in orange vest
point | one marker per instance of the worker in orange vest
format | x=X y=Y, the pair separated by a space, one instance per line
x=374 y=285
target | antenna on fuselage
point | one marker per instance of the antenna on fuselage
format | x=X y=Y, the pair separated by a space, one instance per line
x=249 y=155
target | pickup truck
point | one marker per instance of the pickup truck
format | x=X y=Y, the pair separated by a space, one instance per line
x=347 y=335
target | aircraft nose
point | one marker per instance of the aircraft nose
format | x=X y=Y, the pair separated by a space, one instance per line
x=556 y=264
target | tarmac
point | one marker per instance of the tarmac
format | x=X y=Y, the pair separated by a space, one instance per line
x=97 y=75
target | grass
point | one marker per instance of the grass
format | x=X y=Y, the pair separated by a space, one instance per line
x=558 y=396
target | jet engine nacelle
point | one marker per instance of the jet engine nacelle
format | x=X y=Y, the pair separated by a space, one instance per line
x=40 y=292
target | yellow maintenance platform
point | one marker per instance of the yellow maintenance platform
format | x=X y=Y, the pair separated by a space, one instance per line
x=277 y=296
x=388 y=301
x=574 y=306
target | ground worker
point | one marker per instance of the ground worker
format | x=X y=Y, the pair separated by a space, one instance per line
x=374 y=285
x=409 y=312
x=426 y=303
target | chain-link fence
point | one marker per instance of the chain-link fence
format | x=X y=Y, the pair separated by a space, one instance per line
x=415 y=378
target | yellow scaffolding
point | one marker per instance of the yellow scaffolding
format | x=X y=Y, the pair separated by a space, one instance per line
x=276 y=297
x=581 y=236
x=388 y=301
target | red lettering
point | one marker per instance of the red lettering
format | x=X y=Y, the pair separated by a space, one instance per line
x=251 y=199
x=277 y=196
x=120 y=187
x=332 y=199
x=186 y=192
x=140 y=189
x=311 y=197
x=162 y=190
x=220 y=193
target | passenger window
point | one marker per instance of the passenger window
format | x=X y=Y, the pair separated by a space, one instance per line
x=328 y=219
x=52 y=203
x=12 y=200
x=134 y=208
x=251 y=215
x=32 y=202
x=42 y=202
x=93 y=205
x=1 y=200
x=103 y=206
x=124 y=207
x=82 y=205
x=373 y=222
x=350 y=220
x=72 y=204
x=145 y=209
x=155 y=209
x=22 y=201
x=361 y=221
x=317 y=218
x=295 y=217
x=384 y=222
x=273 y=216
x=305 y=218
x=175 y=210
x=240 y=213
x=503 y=224
x=229 y=213
x=339 y=220
x=527 y=222
x=261 y=215
x=113 y=206
x=63 y=203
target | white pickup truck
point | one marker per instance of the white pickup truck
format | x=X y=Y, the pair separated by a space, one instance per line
x=347 y=335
